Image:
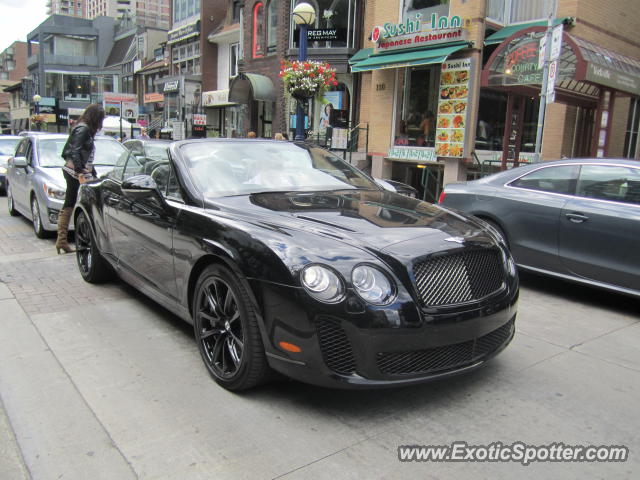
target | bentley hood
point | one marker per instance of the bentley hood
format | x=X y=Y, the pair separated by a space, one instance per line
x=381 y=220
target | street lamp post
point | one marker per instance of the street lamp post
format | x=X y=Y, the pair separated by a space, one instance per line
x=36 y=102
x=303 y=16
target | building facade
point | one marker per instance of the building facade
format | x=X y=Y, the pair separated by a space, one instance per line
x=13 y=68
x=450 y=85
x=72 y=8
x=152 y=13
x=68 y=69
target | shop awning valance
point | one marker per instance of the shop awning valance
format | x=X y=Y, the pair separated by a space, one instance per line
x=583 y=66
x=424 y=56
x=506 y=32
x=251 y=86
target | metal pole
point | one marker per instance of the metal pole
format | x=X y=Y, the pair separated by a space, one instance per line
x=121 y=121
x=545 y=81
x=302 y=56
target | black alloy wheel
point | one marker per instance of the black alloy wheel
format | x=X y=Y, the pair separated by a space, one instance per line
x=226 y=329
x=93 y=267
x=11 y=207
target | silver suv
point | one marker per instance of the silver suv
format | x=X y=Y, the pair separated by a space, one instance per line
x=35 y=184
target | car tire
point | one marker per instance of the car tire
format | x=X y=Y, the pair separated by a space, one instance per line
x=227 y=332
x=92 y=265
x=36 y=220
x=10 y=205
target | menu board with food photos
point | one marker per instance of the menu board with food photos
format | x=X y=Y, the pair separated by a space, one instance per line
x=453 y=98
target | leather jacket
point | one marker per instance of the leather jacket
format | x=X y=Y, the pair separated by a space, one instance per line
x=78 y=148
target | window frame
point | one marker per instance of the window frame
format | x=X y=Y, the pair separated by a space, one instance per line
x=574 y=180
x=258 y=37
x=614 y=200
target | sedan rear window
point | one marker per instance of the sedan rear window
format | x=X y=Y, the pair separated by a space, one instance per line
x=610 y=182
x=556 y=179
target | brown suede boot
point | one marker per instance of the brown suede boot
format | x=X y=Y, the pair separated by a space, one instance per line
x=63 y=230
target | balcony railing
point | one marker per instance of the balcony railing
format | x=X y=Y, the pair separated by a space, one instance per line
x=91 y=61
x=32 y=60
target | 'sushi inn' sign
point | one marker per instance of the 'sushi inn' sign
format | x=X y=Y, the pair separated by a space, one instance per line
x=416 y=32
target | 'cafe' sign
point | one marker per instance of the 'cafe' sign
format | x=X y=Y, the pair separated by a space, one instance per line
x=417 y=32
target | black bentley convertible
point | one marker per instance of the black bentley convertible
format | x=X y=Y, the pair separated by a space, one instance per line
x=286 y=258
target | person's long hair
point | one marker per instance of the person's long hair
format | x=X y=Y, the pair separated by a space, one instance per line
x=93 y=117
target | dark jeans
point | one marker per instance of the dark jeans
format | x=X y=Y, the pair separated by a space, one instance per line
x=72 y=190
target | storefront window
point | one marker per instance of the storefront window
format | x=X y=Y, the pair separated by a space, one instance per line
x=77 y=87
x=338 y=16
x=633 y=128
x=258 y=30
x=491 y=116
x=417 y=105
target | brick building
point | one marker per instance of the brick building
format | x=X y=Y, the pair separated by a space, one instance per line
x=449 y=82
x=13 y=68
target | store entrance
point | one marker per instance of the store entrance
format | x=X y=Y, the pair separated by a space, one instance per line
x=426 y=179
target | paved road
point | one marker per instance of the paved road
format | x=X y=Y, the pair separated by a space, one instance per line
x=99 y=382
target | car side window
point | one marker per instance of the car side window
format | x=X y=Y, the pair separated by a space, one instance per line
x=556 y=179
x=118 y=169
x=29 y=153
x=610 y=182
x=173 y=187
x=136 y=147
x=21 y=150
x=132 y=167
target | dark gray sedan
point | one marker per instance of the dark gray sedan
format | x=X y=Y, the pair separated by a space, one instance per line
x=573 y=219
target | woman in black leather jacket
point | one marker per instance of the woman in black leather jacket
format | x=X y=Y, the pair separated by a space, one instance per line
x=78 y=153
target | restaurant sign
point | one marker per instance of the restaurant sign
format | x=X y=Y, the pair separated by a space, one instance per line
x=453 y=111
x=184 y=32
x=416 y=32
x=613 y=78
x=422 y=154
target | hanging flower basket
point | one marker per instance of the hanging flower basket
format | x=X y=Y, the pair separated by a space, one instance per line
x=38 y=122
x=306 y=79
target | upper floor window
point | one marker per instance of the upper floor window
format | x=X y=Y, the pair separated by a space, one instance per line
x=338 y=16
x=516 y=11
x=272 y=26
x=234 y=50
x=236 y=6
x=183 y=9
x=258 y=30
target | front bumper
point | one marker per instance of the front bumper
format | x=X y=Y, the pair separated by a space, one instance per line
x=340 y=350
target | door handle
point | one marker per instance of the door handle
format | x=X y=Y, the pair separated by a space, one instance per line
x=111 y=201
x=576 y=217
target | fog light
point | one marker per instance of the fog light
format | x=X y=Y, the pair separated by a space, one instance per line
x=53 y=216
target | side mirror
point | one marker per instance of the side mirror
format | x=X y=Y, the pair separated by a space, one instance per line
x=139 y=187
x=20 y=162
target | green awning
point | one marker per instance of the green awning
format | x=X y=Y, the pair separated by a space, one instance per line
x=251 y=86
x=506 y=32
x=425 y=56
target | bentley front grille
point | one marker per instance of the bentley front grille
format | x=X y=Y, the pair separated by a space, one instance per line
x=459 y=277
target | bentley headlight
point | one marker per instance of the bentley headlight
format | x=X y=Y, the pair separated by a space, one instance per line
x=322 y=283
x=372 y=285
x=54 y=192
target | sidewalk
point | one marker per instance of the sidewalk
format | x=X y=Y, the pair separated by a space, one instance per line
x=11 y=464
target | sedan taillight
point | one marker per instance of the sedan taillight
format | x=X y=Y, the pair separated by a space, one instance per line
x=441 y=197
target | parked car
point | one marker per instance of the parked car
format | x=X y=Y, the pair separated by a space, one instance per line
x=283 y=256
x=7 y=149
x=573 y=219
x=35 y=184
